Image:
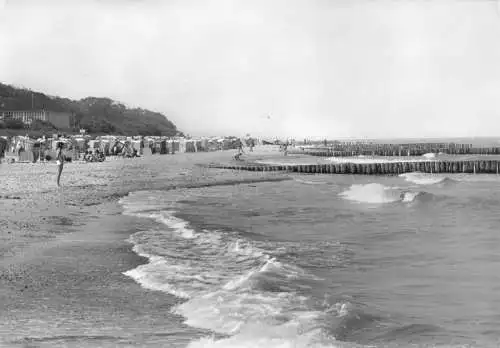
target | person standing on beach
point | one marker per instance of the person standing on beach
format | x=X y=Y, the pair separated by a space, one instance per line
x=60 y=161
x=19 y=149
x=239 y=144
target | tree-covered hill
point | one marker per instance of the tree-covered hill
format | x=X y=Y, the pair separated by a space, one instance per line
x=97 y=115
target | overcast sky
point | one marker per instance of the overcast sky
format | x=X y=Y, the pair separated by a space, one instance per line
x=335 y=68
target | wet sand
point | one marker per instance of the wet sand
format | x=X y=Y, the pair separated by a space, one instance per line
x=63 y=250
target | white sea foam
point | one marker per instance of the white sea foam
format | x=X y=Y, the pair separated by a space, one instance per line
x=231 y=286
x=262 y=336
x=368 y=160
x=423 y=178
x=166 y=217
x=178 y=225
x=308 y=182
x=371 y=193
x=378 y=194
x=300 y=332
x=429 y=155
x=410 y=196
x=244 y=248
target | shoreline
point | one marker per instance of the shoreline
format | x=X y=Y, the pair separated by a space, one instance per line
x=65 y=285
x=30 y=197
x=67 y=249
x=83 y=271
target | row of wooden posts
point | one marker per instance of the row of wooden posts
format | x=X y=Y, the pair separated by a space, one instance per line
x=390 y=151
x=391 y=168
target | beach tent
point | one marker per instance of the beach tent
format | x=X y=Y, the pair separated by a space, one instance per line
x=202 y=145
x=105 y=146
x=137 y=145
x=230 y=143
x=213 y=145
x=80 y=144
x=222 y=143
x=170 y=146
x=163 y=147
x=146 y=151
x=93 y=144
x=182 y=145
x=155 y=146
x=17 y=141
x=190 y=146
x=3 y=147
x=70 y=148
x=118 y=147
x=127 y=148
x=176 y=145
x=27 y=144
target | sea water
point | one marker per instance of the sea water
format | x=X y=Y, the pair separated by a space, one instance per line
x=327 y=260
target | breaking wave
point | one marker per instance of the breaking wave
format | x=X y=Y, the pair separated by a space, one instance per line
x=378 y=193
x=426 y=179
x=233 y=286
x=309 y=182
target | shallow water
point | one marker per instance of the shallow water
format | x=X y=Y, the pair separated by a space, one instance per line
x=325 y=261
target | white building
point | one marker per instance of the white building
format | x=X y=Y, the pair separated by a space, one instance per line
x=62 y=120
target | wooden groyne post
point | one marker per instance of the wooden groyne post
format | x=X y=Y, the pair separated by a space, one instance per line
x=356 y=148
x=385 y=168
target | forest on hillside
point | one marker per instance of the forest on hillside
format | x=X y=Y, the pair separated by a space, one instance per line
x=96 y=115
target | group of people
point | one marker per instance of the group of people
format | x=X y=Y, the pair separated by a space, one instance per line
x=123 y=149
x=97 y=156
x=283 y=148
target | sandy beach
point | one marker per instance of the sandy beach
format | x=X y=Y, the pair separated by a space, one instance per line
x=61 y=248
x=65 y=252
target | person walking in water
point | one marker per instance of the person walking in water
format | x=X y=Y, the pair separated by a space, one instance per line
x=60 y=161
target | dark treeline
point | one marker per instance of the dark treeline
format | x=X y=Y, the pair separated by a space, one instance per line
x=96 y=115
